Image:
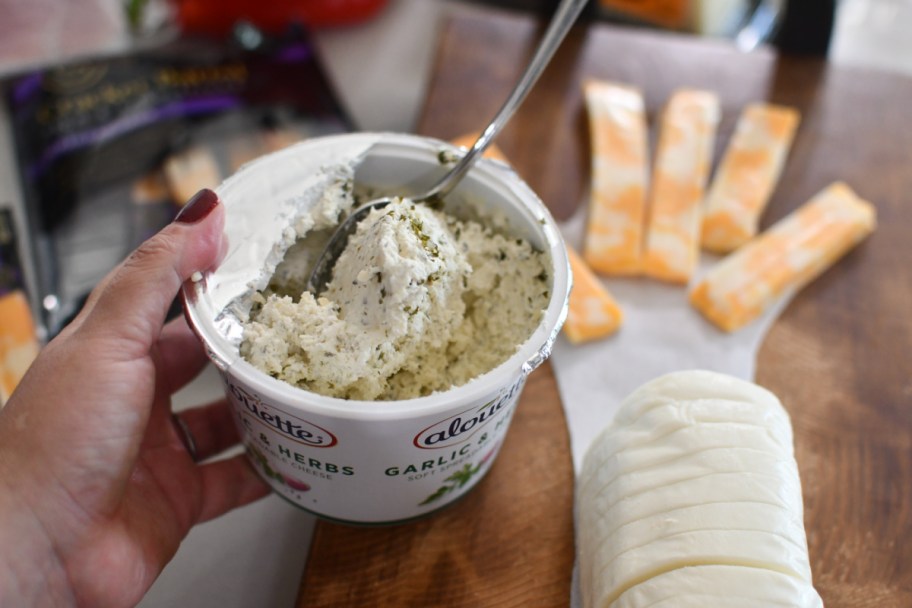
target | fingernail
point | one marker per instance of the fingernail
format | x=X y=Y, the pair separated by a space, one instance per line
x=198 y=207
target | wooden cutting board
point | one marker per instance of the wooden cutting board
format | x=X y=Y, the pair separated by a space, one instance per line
x=840 y=357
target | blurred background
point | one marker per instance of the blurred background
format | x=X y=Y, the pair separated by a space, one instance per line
x=114 y=112
x=386 y=45
x=150 y=84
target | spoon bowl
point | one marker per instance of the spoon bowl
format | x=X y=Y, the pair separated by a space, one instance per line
x=322 y=271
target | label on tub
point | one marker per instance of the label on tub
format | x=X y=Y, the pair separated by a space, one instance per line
x=371 y=471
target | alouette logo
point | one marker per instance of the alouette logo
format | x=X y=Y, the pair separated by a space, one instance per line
x=293 y=428
x=464 y=424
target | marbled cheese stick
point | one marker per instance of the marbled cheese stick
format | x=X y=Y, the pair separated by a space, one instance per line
x=682 y=165
x=281 y=137
x=592 y=312
x=787 y=256
x=747 y=175
x=492 y=151
x=248 y=146
x=617 y=124
x=244 y=148
x=18 y=342
x=189 y=171
x=150 y=189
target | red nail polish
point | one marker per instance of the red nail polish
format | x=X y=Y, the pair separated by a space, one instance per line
x=198 y=207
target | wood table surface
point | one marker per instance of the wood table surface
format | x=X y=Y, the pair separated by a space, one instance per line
x=840 y=356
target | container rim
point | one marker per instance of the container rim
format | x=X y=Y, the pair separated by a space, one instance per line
x=530 y=354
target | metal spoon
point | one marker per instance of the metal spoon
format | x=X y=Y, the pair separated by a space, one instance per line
x=566 y=14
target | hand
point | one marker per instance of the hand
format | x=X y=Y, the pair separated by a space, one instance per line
x=96 y=487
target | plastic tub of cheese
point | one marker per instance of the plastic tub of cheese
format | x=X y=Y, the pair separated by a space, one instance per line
x=389 y=396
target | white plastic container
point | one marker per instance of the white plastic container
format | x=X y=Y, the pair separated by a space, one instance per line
x=359 y=461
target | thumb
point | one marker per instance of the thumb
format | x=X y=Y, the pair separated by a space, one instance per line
x=130 y=305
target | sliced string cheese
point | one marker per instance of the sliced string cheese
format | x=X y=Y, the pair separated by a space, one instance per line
x=702 y=600
x=786 y=535
x=701 y=411
x=787 y=256
x=720 y=586
x=736 y=547
x=669 y=412
x=592 y=311
x=683 y=160
x=609 y=486
x=695 y=386
x=698 y=411
x=672 y=431
x=18 y=342
x=727 y=488
x=747 y=175
x=680 y=486
x=636 y=521
x=628 y=447
x=617 y=125
x=726 y=515
x=611 y=463
x=731 y=486
x=707 y=518
x=665 y=426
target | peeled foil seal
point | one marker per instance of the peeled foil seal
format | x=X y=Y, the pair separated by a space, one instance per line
x=263 y=201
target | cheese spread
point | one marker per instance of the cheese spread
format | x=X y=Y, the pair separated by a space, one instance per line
x=420 y=301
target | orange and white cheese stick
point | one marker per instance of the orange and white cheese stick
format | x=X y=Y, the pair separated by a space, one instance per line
x=150 y=189
x=682 y=164
x=747 y=175
x=592 y=311
x=613 y=242
x=189 y=171
x=492 y=151
x=280 y=138
x=243 y=149
x=788 y=255
x=18 y=343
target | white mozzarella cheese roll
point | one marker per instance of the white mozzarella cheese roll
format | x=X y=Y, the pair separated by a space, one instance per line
x=720 y=587
x=694 y=480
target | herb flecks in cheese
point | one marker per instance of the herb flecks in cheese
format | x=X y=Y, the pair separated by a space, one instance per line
x=419 y=302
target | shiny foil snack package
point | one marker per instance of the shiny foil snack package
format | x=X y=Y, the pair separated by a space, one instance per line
x=108 y=149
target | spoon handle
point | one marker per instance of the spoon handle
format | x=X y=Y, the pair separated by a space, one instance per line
x=565 y=16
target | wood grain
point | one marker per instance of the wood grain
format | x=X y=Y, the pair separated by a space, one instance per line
x=840 y=357
x=467 y=555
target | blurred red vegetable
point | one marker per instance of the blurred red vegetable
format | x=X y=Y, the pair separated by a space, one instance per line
x=217 y=17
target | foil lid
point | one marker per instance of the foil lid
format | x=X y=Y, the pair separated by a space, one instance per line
x=263 y=202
